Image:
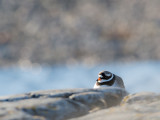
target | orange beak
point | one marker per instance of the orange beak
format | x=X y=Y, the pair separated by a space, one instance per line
x=99 y=79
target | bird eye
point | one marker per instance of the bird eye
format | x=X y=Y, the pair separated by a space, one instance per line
x=103 y=74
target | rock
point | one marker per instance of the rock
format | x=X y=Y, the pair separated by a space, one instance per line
x=58 y=104
x=81 y=104
x=140 y=106
x=141 y=97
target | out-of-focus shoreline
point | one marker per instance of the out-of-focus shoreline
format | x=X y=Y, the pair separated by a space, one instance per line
x=87 y=31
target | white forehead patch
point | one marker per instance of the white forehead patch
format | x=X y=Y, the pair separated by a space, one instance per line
x=100 y=76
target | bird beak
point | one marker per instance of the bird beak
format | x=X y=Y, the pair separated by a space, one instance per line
x=99 y=79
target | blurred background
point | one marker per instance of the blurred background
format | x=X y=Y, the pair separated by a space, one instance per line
x=58 y=44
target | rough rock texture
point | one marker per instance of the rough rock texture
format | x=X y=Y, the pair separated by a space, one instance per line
x=81 y=104
x=58 y=104
x=140 y=106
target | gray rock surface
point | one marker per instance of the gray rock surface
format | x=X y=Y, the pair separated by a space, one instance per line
x=140 y=106
x=81 y=104
x=58 y=104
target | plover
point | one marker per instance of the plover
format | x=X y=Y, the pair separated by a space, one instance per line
x=106 y=79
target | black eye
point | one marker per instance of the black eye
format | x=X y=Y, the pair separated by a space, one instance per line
x=103 y=74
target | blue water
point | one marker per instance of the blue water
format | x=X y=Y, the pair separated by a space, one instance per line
x=138 y=77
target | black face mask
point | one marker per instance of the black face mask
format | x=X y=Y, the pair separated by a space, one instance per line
x=108 y=83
